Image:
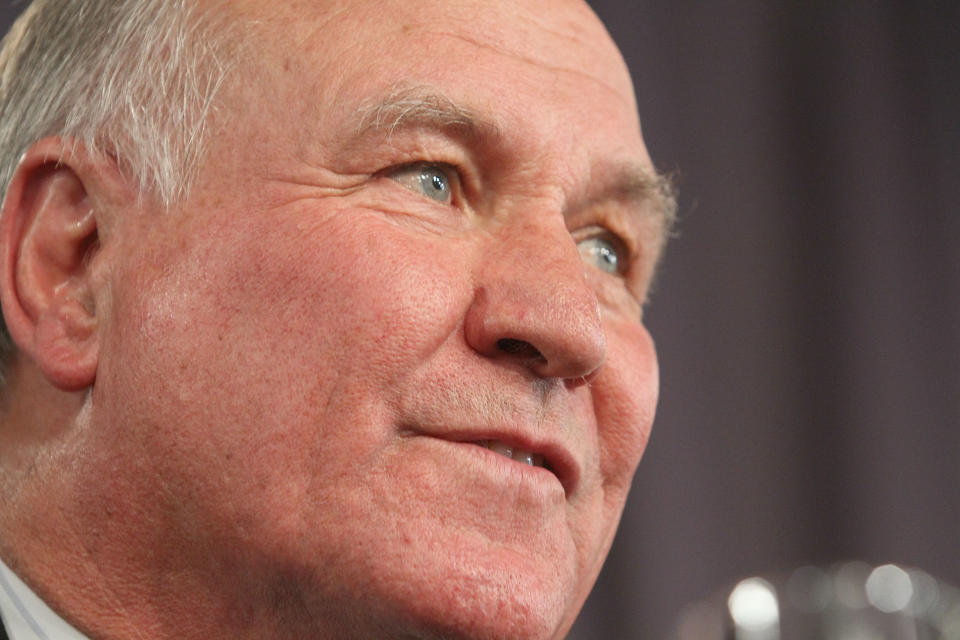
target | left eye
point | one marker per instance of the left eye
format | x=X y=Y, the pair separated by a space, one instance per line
x=603 y=252
x=430 y=180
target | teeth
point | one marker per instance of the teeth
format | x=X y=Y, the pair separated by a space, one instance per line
x=525 y=457
x=502 y=449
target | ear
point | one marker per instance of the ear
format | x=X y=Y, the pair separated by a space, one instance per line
x=49 y=235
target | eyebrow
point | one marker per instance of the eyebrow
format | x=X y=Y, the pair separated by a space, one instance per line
x=638 y=183
x=423 y=107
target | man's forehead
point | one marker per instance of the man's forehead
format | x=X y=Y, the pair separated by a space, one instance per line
x=331 y=42
x=342 y=52
x=562 y=37
x=362 y=65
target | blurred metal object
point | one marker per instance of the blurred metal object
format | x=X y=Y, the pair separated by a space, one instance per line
x=847 y=601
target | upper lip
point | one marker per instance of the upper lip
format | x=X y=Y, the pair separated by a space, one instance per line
x=558 y=458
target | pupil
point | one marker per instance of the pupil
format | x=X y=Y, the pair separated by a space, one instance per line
x=608 y=256
x=433 y=181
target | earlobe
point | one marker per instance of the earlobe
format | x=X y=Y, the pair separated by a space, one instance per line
x=49 y=235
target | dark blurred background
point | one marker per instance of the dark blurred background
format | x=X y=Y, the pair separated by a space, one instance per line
x=808 y=315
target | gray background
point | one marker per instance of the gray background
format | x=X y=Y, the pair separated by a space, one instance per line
x=808 y=317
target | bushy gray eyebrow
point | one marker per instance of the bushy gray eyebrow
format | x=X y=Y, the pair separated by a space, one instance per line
x=641 y=184
x=421 y=107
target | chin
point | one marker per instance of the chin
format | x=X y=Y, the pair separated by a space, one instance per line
x=489 y=612
x=497 y=596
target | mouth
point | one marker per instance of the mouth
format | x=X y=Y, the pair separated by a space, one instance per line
x=545 y=458
x=515 y=453
x=552 y=458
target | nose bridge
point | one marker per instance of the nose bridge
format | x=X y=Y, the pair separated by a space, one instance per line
x=533 y=302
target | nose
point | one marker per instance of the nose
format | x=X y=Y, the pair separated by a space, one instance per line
x=533 y=305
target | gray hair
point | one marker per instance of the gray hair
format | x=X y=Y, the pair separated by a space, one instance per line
x=135 y=78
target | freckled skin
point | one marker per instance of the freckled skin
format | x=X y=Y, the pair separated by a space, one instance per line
x=286 y=348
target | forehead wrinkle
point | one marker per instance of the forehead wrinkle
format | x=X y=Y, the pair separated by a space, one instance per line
x=544 y=64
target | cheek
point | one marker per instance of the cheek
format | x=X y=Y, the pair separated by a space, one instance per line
x=357 y=289
x=265 y=322
x=351 y=294
x=255 y=349
x=625 y=396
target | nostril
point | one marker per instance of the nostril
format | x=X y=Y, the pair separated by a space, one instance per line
x=520 y=348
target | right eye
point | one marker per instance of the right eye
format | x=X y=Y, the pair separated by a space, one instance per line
x=600 y=252
x=428 y=179
x=604 y=250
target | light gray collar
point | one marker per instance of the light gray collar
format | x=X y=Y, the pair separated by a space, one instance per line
x=25 y=615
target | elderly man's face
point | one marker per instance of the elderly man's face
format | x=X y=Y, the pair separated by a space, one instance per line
x=421 y=238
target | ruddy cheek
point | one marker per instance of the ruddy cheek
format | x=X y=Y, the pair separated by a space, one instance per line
x=415 y=289
x=625 y=400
